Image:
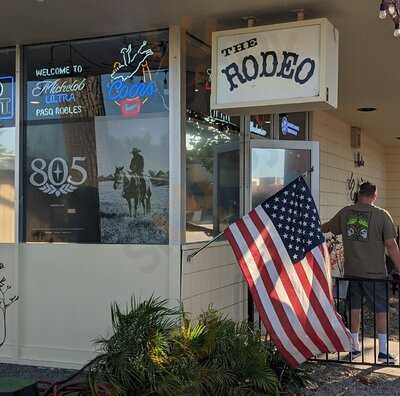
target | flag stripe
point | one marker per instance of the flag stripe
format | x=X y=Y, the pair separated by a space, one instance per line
x=284 y=285
x=261 y=291
x=318 y=321
x=277 y=337
x=317 y=264
x=308 y=287
x=324 y=262
x=329 y=303
x=277 y=302
x=283 y=256
x=335 y=319
x=318 y=346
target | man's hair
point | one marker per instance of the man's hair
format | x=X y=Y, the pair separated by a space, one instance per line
x=367 y=189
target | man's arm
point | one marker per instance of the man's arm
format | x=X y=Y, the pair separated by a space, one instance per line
x=333 y=225
x=325 y=228
x=394 y=252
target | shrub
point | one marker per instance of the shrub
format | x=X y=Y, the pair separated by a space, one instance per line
x=155 y=350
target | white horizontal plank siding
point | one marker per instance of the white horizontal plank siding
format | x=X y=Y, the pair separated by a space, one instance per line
x=213 y=278
x=337 y=163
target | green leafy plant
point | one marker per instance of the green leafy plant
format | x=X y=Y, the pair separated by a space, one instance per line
x=134 y=360
x=5 y=303
x=228 y=358
x=156 y=350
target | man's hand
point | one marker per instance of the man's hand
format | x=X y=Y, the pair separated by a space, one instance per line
x=395 y=281
x=394 y=253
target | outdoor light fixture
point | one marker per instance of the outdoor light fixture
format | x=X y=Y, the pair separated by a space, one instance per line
x=391 y=7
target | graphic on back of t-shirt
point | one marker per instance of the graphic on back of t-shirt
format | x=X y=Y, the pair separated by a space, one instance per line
x=357 y=225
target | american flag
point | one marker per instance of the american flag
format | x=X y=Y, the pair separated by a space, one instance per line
x=283 y=256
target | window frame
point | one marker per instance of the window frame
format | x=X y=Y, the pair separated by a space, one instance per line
x=22 y=141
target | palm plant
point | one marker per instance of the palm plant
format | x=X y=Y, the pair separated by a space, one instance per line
x=134 y=359
x=227 y=358
x=156 y=350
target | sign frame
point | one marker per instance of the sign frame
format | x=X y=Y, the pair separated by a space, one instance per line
x=328 y=72
x=10 y=80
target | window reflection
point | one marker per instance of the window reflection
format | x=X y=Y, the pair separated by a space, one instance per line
x=212 y=153
x=261 y=126
x=7 y=146
x=272 y=169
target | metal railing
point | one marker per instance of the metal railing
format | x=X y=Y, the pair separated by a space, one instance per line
x=373 y=294
x=384 y=292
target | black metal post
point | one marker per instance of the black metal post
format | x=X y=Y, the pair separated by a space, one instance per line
x=373 y=291
x=362 y=322
x=337 y=307
x=349 y=293
x=398 y=317
x=250 y=308
x=387 y=322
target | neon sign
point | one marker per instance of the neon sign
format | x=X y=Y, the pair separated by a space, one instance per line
x=6 y=98
x=118 y=90
x=254 y=128
x=289 y=128
x=131 y=96
x=136 y=61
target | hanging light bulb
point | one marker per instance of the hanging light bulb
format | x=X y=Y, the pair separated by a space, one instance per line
x=382 y=11
x=397 y=30
x=392 y=9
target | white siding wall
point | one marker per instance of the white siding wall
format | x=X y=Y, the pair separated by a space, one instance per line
x=66 y=291
x=213 y=277
x=392 y=156
x=337 y=163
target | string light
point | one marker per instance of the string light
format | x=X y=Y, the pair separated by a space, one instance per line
x=391 y=7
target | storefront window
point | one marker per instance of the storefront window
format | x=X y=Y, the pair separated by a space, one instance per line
x=96 y=140
x=212 y=153
x=7 y=145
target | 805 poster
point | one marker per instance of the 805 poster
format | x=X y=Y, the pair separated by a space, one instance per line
x=96 y=141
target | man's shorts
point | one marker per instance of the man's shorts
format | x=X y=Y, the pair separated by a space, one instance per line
x=357 y=289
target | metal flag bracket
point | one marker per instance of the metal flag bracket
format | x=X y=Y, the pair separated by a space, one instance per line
x=190 y=257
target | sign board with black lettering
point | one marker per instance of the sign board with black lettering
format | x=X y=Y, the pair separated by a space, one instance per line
x=285 y=67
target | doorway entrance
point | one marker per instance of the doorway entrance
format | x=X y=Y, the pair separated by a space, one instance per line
x=269 y=166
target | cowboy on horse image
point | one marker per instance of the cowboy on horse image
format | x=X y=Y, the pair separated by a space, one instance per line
x=136 y=188
x=137 y=162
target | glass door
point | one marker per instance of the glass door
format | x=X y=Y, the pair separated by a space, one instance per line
x=271 y=165
x=274 y=164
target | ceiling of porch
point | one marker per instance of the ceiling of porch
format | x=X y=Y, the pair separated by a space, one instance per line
x=369 y=54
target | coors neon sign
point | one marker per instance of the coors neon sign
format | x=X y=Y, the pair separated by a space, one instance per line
x=292 y=65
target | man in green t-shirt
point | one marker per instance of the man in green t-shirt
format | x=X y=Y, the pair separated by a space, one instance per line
x=367 y=231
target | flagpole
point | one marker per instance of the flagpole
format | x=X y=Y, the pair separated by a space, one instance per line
x=193 y=255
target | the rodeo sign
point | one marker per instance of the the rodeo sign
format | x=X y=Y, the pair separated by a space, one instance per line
x=290 y=66
x=6 y=98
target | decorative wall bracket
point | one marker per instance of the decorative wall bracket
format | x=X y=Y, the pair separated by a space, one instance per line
x=358 y=160
x=353 y=185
